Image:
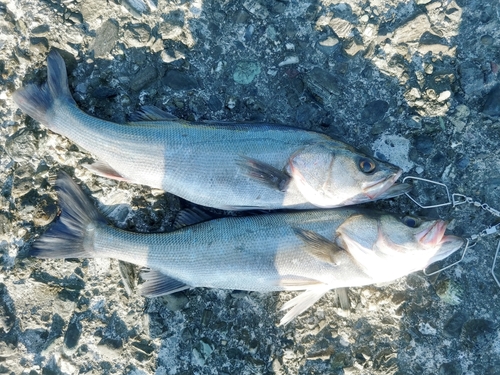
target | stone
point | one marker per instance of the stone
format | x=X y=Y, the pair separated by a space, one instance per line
x=246 y=71
x=179 y=80
x=322 y=84
x=453 y=327
x=106 y=38
x=492 y=102
x=374 y=111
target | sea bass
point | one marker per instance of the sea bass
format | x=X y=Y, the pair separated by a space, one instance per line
x=315 y=250
x=230 y=166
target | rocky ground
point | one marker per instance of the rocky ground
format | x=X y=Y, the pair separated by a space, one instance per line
x=414 y=82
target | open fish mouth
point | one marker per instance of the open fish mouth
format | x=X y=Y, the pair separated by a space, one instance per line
x=386 y=187
x=433 y=235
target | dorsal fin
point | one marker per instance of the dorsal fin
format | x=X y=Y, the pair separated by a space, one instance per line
x=151 y=113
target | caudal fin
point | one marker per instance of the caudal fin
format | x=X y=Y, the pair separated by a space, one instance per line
x=38 y=101
x=71 y=235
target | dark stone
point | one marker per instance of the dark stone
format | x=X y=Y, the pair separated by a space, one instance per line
x=374 y=111
x=177 y=80
x=106 y=37
x=39 y=45
x=144 y=77
x=214 y=103
x=492 y=102
x=73 y=333
x=463 y=162
x=453 y=327
x=322 y=84
x=428 y=38
x=104 y=92
x=55 y=331
x=115 y=333
x=304 y=114
x=424 y=144
x=478 y=332
x=7 y=310
x=449 y=369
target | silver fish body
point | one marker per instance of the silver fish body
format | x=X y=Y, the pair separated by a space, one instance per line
x=221 y=165
x=315 y=251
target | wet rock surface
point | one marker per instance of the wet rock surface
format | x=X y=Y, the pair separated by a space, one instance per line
x=415 y=82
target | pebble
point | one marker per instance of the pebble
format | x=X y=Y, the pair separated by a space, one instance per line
x=453 y=327
x=73 y=333
x=322 y=84
x=106 y=38
x=492 y=102
x=374 y=111
x=246 y=71
x=478 y=332
x=424 y=144
x=179 y=80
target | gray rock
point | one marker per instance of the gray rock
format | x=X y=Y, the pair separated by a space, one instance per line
x=374 y=111
x=178 y=80
x=143 y=78
x=246 y=71
x=322 y=84
x=73 y=333
x=453 y=326
x=424 y=144
x=450 y=368
x=106 y=38
x=115 y=334
x=478 y=332
x=492 y=102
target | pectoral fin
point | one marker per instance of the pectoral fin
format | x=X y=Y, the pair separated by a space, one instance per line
x=103 y=169
x=319 y=246
x=265 y=173
x=158 y=284
x=301 y=303
x=151 y=113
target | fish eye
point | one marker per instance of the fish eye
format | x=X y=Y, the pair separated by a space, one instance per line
x=411 y=221
x=366 y=165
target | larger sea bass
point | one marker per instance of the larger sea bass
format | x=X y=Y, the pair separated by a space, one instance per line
x=313 y=251
x=222 y=165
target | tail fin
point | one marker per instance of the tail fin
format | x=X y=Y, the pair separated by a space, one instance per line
x=71 y=235
x=38 y=101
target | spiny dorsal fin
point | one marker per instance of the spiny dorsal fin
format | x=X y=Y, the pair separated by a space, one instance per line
x=158 y=284
x=151 y=113
x=319 y=246
x=103 y=169
x=265 y=173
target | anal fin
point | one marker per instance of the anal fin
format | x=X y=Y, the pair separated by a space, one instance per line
x=103 y=169
x=158 y=284
x=265 y=173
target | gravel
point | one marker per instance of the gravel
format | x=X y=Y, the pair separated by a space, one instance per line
x=414 y=82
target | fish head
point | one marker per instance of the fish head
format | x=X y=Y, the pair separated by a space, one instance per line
x=387 y=247
x=332 y=174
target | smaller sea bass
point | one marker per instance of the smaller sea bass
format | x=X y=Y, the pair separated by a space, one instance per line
x=313 y=251
x=223 y=165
